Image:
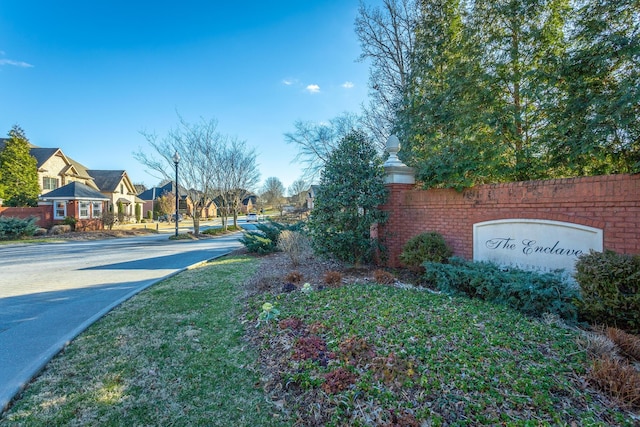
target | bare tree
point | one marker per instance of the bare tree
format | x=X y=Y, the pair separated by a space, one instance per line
x=298 y=191
x=197 y=146
x=237 y=175
x=387 y=38
x=316 y=141
x=273 y=193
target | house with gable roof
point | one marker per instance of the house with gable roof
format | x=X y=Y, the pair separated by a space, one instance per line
x=70 y=181
x=116 y=185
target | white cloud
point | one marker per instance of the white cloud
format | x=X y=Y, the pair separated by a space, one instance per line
x=313 y=89
x=347 y=85
x=288 y=82
x=15 y=63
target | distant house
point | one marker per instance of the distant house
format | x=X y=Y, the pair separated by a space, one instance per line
x=248 y=203
x=79 y=201
x=186 y=206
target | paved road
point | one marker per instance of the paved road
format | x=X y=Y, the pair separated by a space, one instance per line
x=49 y=293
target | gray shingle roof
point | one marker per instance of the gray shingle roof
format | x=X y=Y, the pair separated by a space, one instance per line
x=107 y=180
x=74 y=191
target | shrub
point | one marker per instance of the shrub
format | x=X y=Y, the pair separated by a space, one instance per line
x=108 y=219
x=265 y=239
x=120 y=213
x=218 y=231
x=258 y=244
x=332 y=279
x=425 y=247
x=295 y=244
x=610 y=288
x=529 y=292
x=294 y=277
x=14 y=228
x=71 y=222
x=383 y=277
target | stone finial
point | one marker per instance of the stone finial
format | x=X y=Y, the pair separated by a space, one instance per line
x=396 y=171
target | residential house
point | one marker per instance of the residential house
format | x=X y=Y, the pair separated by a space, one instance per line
x=116 y=185
x=249 y=203
x=56 y=170
x=151 y=196
x=79 y=201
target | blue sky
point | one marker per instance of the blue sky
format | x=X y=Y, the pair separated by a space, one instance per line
x=88 y=76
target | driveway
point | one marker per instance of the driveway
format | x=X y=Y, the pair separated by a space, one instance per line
x=50 y=293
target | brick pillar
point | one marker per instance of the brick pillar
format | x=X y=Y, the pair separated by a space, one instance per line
x=399 y=178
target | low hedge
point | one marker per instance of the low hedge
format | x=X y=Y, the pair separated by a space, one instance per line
x=529 y=292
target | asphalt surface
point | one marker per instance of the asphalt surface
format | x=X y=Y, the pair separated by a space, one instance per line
x=50 y=293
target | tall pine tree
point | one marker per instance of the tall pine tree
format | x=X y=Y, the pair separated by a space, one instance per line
x=19 y=177
x=597 y=128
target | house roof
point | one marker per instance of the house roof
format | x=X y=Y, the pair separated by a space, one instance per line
x=107 y=180
x=156 y=192
x=42 y=154
x=74 y=191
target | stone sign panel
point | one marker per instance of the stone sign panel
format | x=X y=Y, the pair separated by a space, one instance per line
x=533 y=244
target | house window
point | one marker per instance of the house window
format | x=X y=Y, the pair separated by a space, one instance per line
x=121 y=188
x=97 y=210
x=59 y=210
x=84 y=209
x=49 y=183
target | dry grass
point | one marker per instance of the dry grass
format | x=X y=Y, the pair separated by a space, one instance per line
x=597 y=345
x=628 y=344
x=619 y=379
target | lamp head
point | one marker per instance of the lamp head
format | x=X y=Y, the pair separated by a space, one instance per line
x=176 y=158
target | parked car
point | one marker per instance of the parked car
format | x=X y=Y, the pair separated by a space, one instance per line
x=252 y=217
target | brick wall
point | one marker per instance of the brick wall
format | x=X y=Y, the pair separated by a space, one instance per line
x=610 y=202
x=43 y=213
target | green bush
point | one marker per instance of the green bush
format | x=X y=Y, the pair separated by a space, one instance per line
x=14 y=228
x=610 y=287
x=258 y=244
x=429 y=247
x=265 y=239
x=217 y=231
x=70 y=221
x=529 y=292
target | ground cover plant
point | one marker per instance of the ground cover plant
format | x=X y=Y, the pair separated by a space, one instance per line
x=369 y=354
x=172 y=355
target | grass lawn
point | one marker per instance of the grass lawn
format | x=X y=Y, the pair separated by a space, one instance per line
x=172 y=355
x=187 y=352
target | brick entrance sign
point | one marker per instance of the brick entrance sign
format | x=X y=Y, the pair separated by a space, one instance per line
x=608 y=207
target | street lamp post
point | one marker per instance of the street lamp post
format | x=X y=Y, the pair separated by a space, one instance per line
x=176 y=160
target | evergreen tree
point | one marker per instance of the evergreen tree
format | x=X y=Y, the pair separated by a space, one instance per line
x=521 y=41
x=597 y=130
x=19 y=178
x=346 y=205
x=441 y=122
